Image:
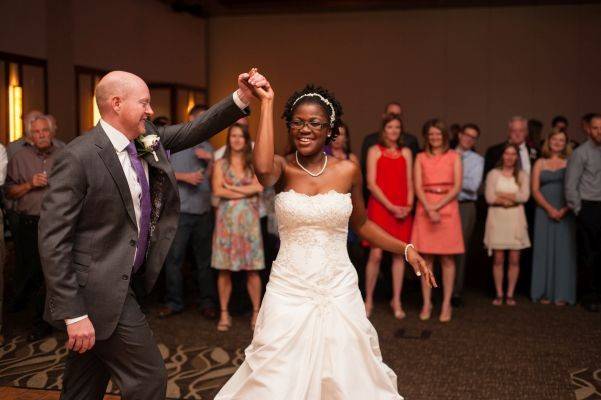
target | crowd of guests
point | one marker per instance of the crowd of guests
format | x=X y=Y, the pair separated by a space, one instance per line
x=541 y=194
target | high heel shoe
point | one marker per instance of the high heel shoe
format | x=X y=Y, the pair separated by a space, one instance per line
x=368 y=309
x=253 y=319
x=397 y=311
x=224 y=324
x=446 y=317
x=425 y=315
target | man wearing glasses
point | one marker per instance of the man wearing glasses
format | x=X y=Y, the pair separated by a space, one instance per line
x=473 y=167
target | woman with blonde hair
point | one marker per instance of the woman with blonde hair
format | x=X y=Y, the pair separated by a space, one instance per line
x=554 y=257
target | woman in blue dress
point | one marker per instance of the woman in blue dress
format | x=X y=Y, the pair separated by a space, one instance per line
x=554 y=258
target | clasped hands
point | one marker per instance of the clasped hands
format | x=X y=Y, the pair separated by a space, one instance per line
x=253 y=85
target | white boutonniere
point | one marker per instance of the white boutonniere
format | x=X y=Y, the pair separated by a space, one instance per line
x=533 y=153
x=148 y=144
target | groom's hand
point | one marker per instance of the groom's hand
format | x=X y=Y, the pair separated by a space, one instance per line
x=81 y=336
x=246 y=83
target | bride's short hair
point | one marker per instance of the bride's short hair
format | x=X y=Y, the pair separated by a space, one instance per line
x=312 y=94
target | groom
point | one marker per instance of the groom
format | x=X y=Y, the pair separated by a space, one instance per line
x=109 y=216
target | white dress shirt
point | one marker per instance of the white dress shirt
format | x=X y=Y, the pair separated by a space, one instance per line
x=120 y=142
x=525 y=158
x=3 y=164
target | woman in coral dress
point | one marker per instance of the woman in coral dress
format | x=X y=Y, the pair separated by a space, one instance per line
x=437 y=224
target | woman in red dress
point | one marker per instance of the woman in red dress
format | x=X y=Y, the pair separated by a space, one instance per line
x=389 y=179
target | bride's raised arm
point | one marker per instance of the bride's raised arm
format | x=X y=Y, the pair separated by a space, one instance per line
x=268 y=166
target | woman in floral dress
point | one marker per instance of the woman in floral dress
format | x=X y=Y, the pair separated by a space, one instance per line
x=237 y=242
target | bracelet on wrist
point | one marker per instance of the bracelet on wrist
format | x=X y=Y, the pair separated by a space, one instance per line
x=407 y=247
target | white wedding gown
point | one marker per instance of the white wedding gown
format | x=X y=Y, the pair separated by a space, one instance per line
x=312 y=339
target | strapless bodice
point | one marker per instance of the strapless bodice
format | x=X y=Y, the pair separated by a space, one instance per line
x=313 y=235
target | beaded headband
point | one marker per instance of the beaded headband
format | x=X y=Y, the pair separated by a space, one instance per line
x=324 y=100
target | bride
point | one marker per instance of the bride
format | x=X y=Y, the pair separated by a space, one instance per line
x=312 y=339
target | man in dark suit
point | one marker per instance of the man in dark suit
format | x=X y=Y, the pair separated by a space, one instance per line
x=109 y=217
x=409 y=141
x=517 y=134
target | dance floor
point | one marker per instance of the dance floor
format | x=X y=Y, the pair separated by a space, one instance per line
x=530 y=351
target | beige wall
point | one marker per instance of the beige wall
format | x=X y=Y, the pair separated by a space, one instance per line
x=141 y=36
x=477 y=65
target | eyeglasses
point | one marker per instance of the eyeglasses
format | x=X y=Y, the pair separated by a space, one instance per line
x=312 y=125
x=470 y=136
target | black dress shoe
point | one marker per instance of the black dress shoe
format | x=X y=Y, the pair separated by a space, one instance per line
x=457 y=302
x=591 y=307
x=40 y=332
x=166 y=311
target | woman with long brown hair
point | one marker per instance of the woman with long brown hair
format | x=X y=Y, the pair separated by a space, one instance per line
x=507 y=189
x=390 y=181
x=237 y=242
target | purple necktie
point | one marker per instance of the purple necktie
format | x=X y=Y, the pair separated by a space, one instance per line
x=145 y=206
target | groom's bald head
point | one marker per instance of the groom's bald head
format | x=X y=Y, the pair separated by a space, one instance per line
x=124 y=101
x=116 y=84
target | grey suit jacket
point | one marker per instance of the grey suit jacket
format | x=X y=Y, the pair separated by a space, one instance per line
x=87 y=230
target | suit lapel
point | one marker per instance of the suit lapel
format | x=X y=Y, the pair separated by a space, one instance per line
x=163 y=164
x=108 y=155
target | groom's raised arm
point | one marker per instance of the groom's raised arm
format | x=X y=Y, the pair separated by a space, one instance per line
x=182 y=136
x=61 y=206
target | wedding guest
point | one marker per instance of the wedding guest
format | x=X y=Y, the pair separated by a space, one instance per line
x=527 y=154
x=341 y=146
x=507 y=189
x=472 y=166
x=26 y=183
x=389 y=179
x=517 y=134
x=218 y=154
x=559 y=123
x=437 y=224
x=454 y=131
x=409 y=140
x=9 y=205
x=535 y=133
x=237 y=243
x=583 y=195
x=192 y=169
x=554 y=261
x=3 y=165
x=16 y=145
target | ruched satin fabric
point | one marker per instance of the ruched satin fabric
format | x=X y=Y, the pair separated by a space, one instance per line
x=312 y=340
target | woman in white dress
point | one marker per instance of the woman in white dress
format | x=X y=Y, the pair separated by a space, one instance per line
x=312 y=339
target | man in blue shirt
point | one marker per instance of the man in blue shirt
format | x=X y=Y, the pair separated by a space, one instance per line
x=473 y=167
x=193 y=173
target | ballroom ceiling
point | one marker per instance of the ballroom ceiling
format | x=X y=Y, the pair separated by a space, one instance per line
x=210 y=8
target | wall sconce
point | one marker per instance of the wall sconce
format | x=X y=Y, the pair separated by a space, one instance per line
x=95 y=112
x=15 y=111
x=191 y=102
x=15 y=103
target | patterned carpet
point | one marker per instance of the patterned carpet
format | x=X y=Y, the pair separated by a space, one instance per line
x=529 y=351
x=194 y=371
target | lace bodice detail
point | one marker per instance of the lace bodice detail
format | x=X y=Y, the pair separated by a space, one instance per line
x=313 y=234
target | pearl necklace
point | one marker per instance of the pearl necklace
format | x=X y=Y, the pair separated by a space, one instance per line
x=309 y=172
